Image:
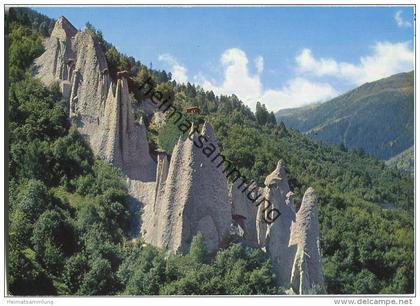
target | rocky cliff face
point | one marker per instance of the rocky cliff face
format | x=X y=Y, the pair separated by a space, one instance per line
x=292 y=241
x=192 y=199
x=188 y=193
x=244 y=213
x=98 y=107
x=277 y=234
x=307 y=265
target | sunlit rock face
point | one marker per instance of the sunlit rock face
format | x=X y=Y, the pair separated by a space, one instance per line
x=307 y=266
x=98 y=106
x=292 y=241
x=193 y=198
x=244 y=212
x=100 y=109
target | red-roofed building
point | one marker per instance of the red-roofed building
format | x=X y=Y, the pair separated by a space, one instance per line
x=193 y=110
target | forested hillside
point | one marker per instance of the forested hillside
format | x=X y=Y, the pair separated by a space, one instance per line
x=68 y=216
x=377 y=117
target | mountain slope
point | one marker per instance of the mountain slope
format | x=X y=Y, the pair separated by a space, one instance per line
x=403 y=161
x=377 y=117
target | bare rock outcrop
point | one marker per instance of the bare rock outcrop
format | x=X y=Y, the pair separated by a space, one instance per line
x=161 y=172
x=124 y=141
x=98 y=107
x=194 y=198
x=307 y=266
x=53 y=64
x=244 y=212
x=292 y=241
x=277 y=234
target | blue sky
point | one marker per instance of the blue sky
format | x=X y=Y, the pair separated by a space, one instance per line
x=282 y=56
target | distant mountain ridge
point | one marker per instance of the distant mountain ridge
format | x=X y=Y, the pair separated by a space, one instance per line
x=377 y=117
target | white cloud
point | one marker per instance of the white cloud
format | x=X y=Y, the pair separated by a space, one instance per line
x=179 y=72
x=237 y=78
x=307 y=63
x=259 y=64
x=386 y=59
x=298 y=92
x=239 y=81
x=400 y=20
